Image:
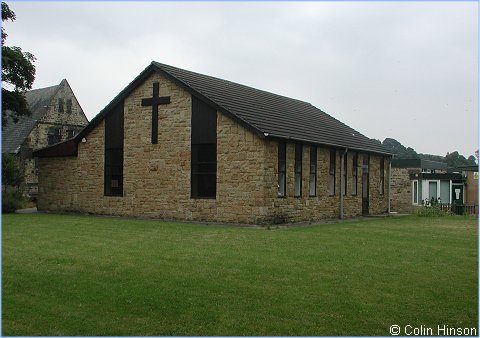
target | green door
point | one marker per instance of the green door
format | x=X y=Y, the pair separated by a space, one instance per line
x=457 y=194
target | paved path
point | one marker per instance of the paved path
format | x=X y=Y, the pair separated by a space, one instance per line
x=27 y=211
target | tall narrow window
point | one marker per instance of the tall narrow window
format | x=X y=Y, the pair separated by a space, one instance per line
x=113 y=170
x=298 y=170
x=415 y=192
x=382 y=176
x=282 y=168
x=354 y=173
x=345 y=166
x=60 y=105
x=204 y=150
x=313 y=171
x=332 y=169
x=69 y=106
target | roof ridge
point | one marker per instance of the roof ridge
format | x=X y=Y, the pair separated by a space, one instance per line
x=43 y=88
x=161 y=65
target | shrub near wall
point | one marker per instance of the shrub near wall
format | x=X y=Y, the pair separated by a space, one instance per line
x=12 y=178
x=432 y=208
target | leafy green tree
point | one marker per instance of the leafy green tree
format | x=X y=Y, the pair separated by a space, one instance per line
x=18 y=72
x=12 y=178
x=456 y=160
x=398 y=149
x=11 y=171
x=472 y=160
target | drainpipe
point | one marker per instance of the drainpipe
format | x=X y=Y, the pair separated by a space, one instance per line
x=342 y=183
x=389 y=182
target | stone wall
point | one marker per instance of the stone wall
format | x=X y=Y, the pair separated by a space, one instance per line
x=38 y=137
x=401 y=197
x=157 y=176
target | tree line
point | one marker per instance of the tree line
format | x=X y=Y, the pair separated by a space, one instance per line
x=454 y=159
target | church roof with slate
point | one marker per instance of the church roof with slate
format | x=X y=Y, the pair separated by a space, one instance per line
x=274 y=115
x=14 y=134
x=268 y=115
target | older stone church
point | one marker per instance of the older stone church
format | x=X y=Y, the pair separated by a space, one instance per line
x=175 y=144
x=56 y=116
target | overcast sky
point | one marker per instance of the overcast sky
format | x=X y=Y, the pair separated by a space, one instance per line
x=406 y=70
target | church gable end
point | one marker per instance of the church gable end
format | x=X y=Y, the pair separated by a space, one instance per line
x=180 y=145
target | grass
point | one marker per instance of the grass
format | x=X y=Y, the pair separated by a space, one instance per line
x=83 y=275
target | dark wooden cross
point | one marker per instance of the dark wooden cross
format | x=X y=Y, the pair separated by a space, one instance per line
x=154 y=102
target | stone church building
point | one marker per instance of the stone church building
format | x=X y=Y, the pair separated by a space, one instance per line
x=56 y=116
x=175 y=144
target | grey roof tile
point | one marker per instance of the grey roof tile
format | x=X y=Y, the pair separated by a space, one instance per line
x=267 y=114
x=272 y=114
x=14 y=134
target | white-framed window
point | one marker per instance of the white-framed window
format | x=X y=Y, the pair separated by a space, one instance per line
x=415 y=192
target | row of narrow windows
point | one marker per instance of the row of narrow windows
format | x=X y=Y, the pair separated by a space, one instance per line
x=203 y=173
x=332 y=171
x=61 y=106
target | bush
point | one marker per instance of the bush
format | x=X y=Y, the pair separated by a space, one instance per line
x=11 y=171
x=434 y=210
x=12 y=199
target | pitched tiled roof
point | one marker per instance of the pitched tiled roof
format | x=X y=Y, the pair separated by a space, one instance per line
x=274 y=115
x=269 y=115
x=13 y=134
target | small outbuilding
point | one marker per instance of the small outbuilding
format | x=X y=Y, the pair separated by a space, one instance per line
x=417 y=182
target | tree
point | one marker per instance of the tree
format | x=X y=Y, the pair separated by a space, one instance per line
x=472 y=160
x=12 y=178
x=18 y=71
x=398 y=149
x=11 y=171
x=456 y=160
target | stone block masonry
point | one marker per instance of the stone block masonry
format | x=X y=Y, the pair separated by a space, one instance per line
x=156 y=177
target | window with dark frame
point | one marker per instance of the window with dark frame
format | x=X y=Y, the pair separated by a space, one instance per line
x=298 y=170
x=113 y=162
x=382 y=175
x=60 y=105
x=354 y=173
x=345 y=168
x=332 y=170
x=282 y=168
x=204 y=150
x=69 y=106
x=54 y=135
x=71 y=133
x=313 y=171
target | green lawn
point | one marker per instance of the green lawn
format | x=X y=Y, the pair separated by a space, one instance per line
x=84 y=275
